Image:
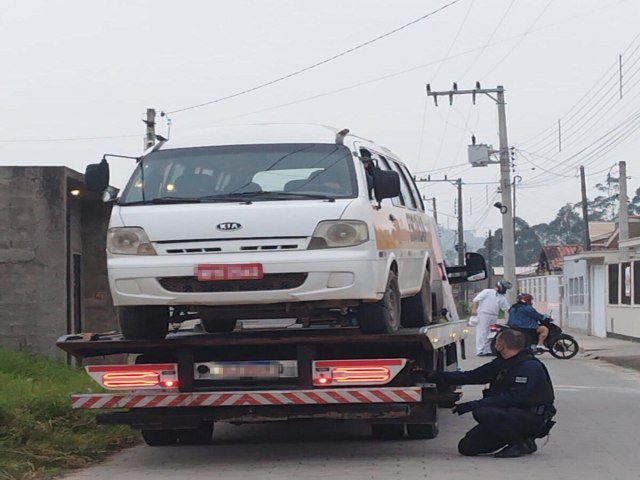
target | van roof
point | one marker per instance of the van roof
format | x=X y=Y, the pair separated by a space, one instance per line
x=254 y=134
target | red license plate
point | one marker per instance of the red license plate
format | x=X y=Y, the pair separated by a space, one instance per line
x=229 y=271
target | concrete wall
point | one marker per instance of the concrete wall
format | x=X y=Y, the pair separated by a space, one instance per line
x=33 y=264
x=42 y=230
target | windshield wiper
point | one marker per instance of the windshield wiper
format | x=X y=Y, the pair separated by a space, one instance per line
x=163 y=200
x=266 y=195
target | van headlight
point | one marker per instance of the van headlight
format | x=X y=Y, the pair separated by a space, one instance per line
x=339 y=233
x=129 y=241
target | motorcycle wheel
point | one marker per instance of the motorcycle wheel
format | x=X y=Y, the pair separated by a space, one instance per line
x=493 y=346
x=564 y=347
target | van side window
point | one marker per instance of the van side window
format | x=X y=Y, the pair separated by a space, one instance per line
x=409 y=201
x=385 y=164
x=413 y=187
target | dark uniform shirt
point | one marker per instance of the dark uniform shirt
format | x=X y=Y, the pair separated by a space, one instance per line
x=521 y=381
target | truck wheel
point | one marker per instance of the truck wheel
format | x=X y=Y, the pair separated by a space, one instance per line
x=382 y=316
x=159 y=438
x=214 y=325
x=387 y=431
x=417 y=310
x=422 y=431
x=196 y=436
x=144 y=323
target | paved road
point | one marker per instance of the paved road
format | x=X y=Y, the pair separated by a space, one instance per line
x=596 y=437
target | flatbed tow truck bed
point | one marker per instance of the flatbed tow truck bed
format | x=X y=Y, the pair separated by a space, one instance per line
x=190 y=379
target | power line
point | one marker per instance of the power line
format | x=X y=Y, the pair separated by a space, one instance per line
x=317 y=64
x=64 y=139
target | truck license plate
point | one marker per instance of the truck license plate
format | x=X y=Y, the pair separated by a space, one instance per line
x=208 y=272
x=245 y=370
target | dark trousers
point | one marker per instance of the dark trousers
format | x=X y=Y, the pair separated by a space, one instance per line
x=498 y=427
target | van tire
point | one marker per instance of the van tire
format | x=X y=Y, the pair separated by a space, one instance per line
x=417 y=310
x=144 y=323
x=382 y=316
x=218 y=325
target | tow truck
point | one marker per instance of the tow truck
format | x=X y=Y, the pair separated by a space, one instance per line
x=177 y=388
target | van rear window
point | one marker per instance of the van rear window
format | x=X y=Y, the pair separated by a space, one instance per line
x=294 y=171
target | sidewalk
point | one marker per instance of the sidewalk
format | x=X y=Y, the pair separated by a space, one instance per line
x=618 y=352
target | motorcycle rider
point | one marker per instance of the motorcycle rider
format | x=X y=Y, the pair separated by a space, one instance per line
x=517 y=407
x=486 y=306
x=523 y=315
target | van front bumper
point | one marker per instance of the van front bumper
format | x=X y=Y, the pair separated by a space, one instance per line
x=328 y=274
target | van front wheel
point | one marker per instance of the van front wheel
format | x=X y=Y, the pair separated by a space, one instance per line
x=417 y=310
x=144 y=323
x=383 y=316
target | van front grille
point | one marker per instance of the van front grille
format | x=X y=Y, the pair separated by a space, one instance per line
x=270 y=281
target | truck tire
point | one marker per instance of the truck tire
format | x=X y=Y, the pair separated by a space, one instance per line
x=214 y=325
x=383 y=316
x=159 y=438
x=196 y=436
x=417 y=310
x=144 y=323
x=387 y=431
x=422 y=431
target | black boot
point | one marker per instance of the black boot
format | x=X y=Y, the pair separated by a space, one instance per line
x=530 y=446
x=512 y=451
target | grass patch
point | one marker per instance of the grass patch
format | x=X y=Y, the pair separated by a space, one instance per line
x=40 y=435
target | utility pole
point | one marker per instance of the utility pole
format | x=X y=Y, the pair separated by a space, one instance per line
x=490 y=262
x=461 y=246
x=150 y=134
x=508 y=241
x=623 y=215
x=585 y=213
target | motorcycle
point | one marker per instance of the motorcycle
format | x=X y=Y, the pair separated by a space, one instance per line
x=561 y=345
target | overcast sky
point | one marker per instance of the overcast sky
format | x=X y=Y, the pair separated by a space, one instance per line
x=85 y=69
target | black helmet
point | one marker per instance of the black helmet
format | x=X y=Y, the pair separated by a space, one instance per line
x=503 y=286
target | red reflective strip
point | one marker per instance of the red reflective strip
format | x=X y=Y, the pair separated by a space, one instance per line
x=113 y=401
x=246 y=399
x=178 y=400
x=360 y=363
x=338 y=397
x=402 y=394
x=133 y=401
x=196 y=402
x=272 y=398
x=359 y=396
x=92 y=401
x=155 y=401
x=382 y=396
x=294 y=398
x=221 y=399
x=316 y=397
x=131 y=368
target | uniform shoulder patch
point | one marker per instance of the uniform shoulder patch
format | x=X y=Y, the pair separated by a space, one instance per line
x=522 y=379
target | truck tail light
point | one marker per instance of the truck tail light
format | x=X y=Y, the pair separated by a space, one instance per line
x=356 y=372
x=135 y=377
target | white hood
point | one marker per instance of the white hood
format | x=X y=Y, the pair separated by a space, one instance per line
x=291 y=218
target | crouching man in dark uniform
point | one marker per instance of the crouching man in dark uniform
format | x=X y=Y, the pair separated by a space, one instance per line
x=516 y=408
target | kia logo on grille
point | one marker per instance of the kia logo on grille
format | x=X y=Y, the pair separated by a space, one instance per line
x=228 y=226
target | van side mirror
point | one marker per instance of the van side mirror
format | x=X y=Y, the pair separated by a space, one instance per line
x=386 y=184
x=473 y=270
x=96 y=176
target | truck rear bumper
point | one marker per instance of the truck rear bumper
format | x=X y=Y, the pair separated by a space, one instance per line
x=334 y=396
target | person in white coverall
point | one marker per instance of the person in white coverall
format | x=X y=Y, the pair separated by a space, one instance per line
x=486 y=307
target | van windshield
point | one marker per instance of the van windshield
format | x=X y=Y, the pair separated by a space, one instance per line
x=243 y=172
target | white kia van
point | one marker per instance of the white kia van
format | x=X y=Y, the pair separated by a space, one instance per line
x=273 y=221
